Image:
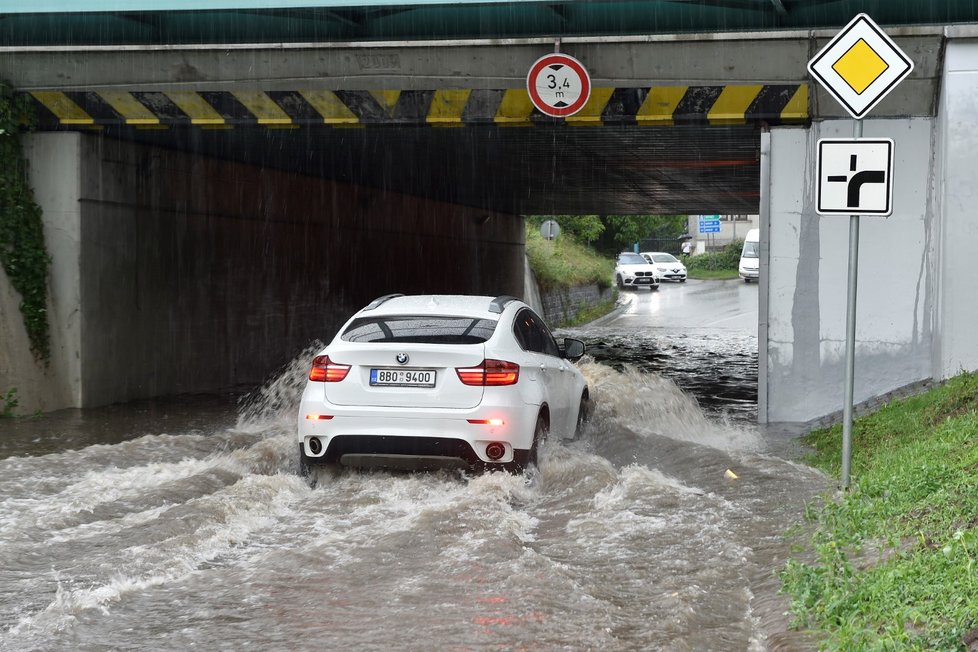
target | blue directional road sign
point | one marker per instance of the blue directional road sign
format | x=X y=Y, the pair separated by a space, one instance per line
x=709 y=223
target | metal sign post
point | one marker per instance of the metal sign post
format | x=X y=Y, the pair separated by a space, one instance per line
x=857 y=132
x=858 y=67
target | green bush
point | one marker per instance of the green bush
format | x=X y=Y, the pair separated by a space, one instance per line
x=726 y=259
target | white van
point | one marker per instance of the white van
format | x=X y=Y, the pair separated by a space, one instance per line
x=750 y=256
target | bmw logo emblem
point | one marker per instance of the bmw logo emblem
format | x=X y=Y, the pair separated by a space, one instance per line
x=402 y=358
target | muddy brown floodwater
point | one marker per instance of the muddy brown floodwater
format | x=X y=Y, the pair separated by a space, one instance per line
x=181 y=524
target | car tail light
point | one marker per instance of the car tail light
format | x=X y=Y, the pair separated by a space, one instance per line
x=487 y=422
x=325 y=370
x=490 y=373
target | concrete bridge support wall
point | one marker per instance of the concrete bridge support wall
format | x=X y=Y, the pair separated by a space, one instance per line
x=917 y=302
x=806 y=277
x=956 y=349
x=179 y=274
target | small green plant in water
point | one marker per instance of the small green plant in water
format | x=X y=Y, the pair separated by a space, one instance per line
x=23 y=254
x=8 y=403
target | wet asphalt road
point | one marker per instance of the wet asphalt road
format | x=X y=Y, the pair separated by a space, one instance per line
x=725 y=307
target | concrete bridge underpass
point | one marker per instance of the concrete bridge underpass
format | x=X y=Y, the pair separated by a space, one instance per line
x=213 y=209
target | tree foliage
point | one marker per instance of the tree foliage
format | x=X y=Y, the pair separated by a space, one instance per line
x=621 y=232
x=610 y=234
x=583 y=228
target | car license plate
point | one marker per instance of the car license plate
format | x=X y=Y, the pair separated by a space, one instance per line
x=402 y=377
x=643 y=280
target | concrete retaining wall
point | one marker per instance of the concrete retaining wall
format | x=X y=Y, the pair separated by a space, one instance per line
x=559 y=306
x=565 y=304
x=177 y=274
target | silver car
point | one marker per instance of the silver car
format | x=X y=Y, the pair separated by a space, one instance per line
x=667 y=266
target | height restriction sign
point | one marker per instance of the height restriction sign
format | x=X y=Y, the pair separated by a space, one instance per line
x=558 y=85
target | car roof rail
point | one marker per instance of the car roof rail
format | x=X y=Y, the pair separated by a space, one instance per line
x=499 y=303
x=379 y=300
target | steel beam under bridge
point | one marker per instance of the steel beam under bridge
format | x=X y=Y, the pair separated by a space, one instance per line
x=668 y=62
x=679 y=115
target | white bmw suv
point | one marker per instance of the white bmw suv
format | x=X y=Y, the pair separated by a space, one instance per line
x=440 y=381
x=633 y=271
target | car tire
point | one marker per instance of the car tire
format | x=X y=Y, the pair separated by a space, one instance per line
x=621 y=286
x=540 y=432
x=584 y=413
x=682 y=280
x=305 y=463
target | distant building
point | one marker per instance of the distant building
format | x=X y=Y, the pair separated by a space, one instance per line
x=732 y=227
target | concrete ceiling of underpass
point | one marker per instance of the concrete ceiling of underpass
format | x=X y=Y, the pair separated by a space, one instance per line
x=624 y=170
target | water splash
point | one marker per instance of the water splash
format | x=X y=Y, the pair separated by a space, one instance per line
x=275 y=404
x=650 y=404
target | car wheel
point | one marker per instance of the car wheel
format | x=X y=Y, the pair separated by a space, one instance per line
x=305 y=463
x=682 y=280
x=747 y=280
x=540 y=432
x=584 y=414
x=621 y=286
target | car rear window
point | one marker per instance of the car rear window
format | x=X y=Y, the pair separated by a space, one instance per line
x=420 y=329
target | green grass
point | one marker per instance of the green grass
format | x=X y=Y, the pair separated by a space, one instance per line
x=891 y=565
x=565 y=263
x=713 y=274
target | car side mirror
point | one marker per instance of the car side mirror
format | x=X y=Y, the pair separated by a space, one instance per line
x=573 y=349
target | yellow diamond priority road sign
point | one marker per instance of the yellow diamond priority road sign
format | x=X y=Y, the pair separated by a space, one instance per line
x=860 y=66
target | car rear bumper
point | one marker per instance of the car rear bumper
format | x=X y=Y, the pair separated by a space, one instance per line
x=398 y=432
x=412 y=453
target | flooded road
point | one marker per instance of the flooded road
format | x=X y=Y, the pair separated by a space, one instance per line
x=702 y=335
x=181 y=523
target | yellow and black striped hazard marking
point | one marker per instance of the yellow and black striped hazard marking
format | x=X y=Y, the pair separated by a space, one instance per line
x=657 y=105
